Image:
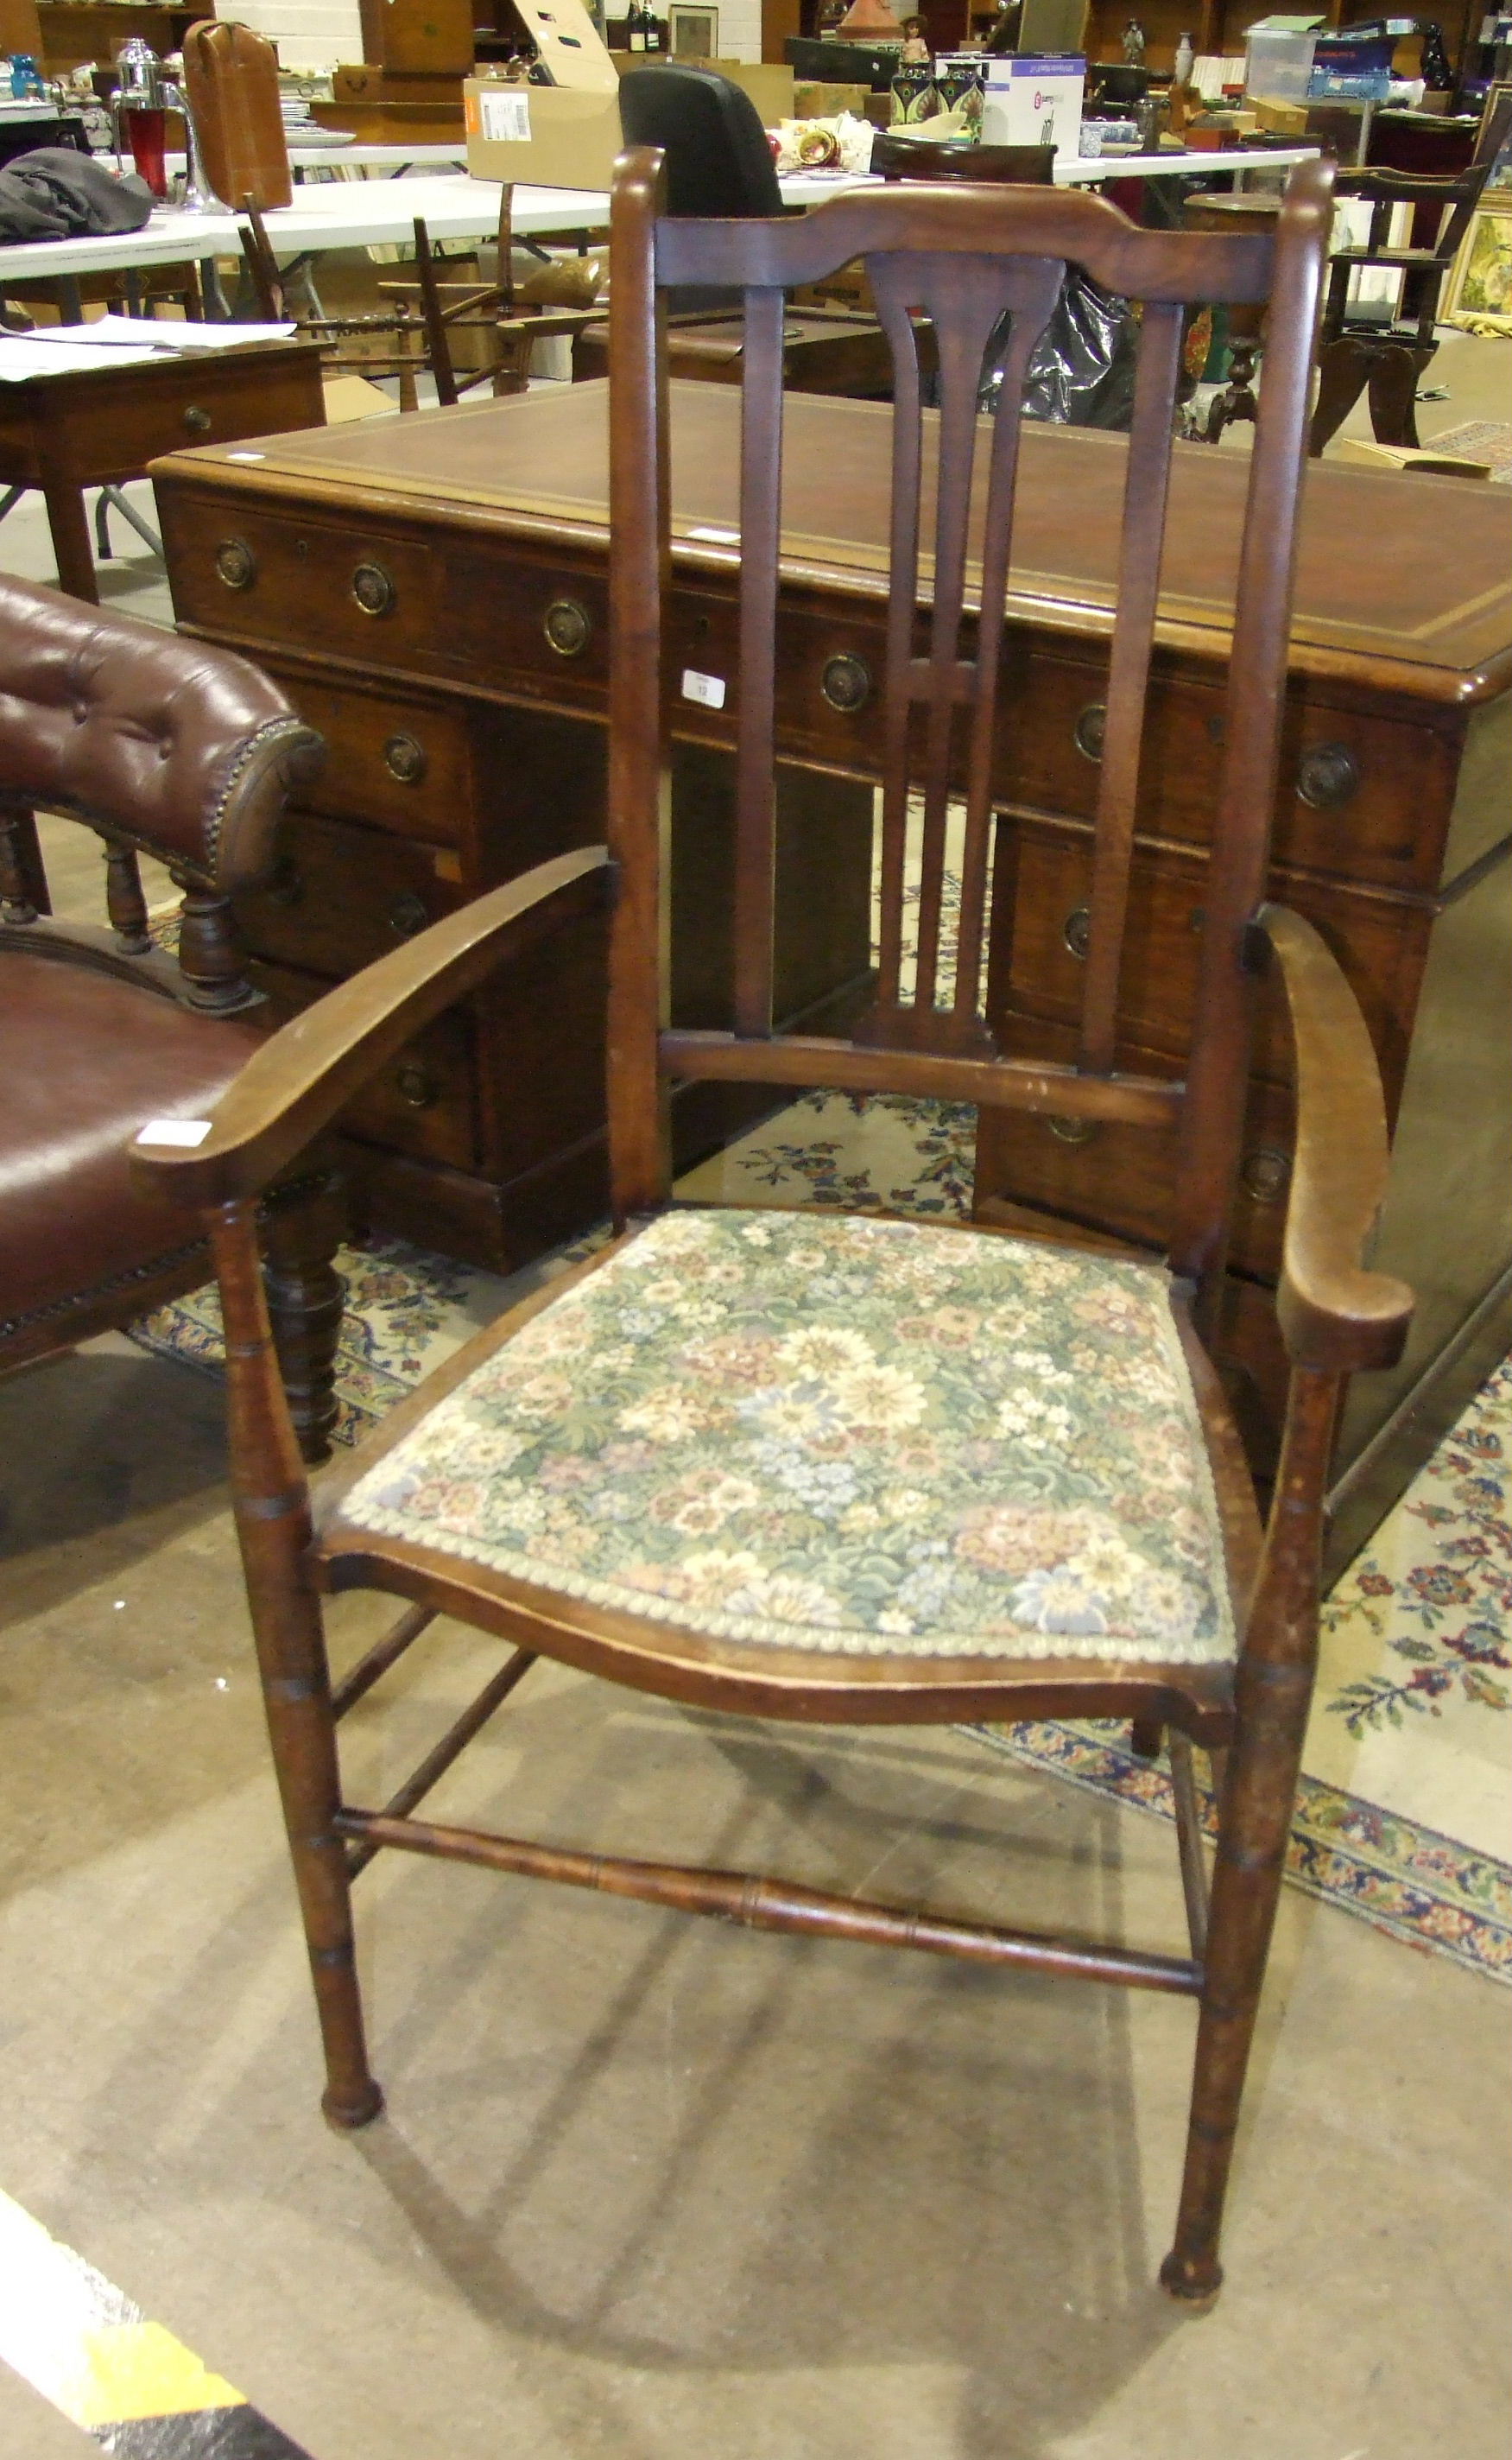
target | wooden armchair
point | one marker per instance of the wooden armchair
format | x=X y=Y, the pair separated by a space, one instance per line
x=185 y=753
x=514 y=318
x=1356 y=351
x=682 y=1466
x=349 y=341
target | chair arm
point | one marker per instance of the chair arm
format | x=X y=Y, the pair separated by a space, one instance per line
x=303 y=1075
x=1335 y=1314
x=1403 y=187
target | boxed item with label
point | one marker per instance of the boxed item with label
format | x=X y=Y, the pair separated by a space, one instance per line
x=564 y=134
x=1031 y=101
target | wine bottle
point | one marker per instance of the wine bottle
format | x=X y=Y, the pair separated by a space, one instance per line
x=653 y=30
x=638 y=31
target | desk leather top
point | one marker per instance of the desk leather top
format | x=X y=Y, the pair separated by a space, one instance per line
x=1404 y=583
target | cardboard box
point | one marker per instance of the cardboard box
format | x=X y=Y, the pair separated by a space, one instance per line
x=566 y=135
x=767 y=82
x=1035 y=101
x=541 y=136
x=1363 y=449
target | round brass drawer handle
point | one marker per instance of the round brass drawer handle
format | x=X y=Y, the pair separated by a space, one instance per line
x=1076 y=930
x=405 y=757
x=1089 y=731
x=1328 y=774
x=1264 y=1174
x=568 y=628
x=408 y=914
x=846 y=683
x=196 y=421
x=416 y=1085
x=1072 y=1132
x=235 y=563
x=374 y=589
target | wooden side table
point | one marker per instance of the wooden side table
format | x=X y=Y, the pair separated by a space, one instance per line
x=97 y=427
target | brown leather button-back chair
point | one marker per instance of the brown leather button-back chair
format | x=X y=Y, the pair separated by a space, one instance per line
x=842 y=1469
x=184 y=753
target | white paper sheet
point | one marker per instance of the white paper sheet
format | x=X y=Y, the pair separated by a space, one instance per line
x=21 y=358
x=149 y=334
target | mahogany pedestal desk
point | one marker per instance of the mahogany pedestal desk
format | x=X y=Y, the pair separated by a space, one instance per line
x=95 y=427
x=431 y=593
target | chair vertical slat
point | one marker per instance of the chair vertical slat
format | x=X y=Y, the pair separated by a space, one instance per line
x=1035 y=284
x=902 y=598
x=961 y=334
x=1145 y=492
x=1212 y=1108
x=639 y=576
x=755 y=773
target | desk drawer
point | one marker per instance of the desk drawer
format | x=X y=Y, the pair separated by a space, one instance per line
x=1041 y=884
x=339 y=896
x=422 y=1102
x=1120 y=1178
x=1358 y=794
x=243 y=571
x=395 y=762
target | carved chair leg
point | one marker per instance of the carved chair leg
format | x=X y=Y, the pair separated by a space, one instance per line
x=1392 y=394
x=1273 y=1692
x=303 y=1222
x=273 y=1526
x=1344 y=369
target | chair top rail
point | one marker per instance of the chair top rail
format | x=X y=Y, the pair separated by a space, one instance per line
x=972 y=221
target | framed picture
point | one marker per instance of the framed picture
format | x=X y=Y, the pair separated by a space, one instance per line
x=692 y=32
x=1496 y=194
x=1480 y=284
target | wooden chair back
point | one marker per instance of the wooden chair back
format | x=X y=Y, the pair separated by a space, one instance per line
x=922 y=158
x=967 y=258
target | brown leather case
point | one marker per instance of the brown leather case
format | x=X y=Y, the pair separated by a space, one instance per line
x=231 y=78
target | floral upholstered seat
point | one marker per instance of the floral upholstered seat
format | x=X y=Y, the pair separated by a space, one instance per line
x=841 y=1434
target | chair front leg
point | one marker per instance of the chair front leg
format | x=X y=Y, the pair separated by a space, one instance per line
x=273 y=1528
x=1274 y=1695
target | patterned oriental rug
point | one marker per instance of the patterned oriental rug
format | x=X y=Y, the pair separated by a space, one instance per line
x=1405 y=1811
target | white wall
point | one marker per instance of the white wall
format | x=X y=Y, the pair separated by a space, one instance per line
x=740 y=32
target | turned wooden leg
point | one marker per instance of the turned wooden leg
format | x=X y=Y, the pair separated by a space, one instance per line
x=124 y=901
x=302 y=1225
x=273 y=1526
x=1274 y=1690
x=23 y=881
x=1344 y=369
x=1394 y=393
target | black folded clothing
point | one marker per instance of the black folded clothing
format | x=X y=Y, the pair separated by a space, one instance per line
x=55 y=193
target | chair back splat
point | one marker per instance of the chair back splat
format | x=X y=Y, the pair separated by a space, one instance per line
x=985 y=266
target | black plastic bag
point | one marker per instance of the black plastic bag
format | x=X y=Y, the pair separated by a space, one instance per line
x=55 y=193
x=1082 y=368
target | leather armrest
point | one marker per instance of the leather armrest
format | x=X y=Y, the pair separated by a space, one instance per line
x=296 y=1083
x=1334 y=1313
x=161 y=742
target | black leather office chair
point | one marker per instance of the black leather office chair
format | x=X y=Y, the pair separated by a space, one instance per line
x=718 y=161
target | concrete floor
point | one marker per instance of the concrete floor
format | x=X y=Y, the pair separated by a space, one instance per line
x=649 y=2187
